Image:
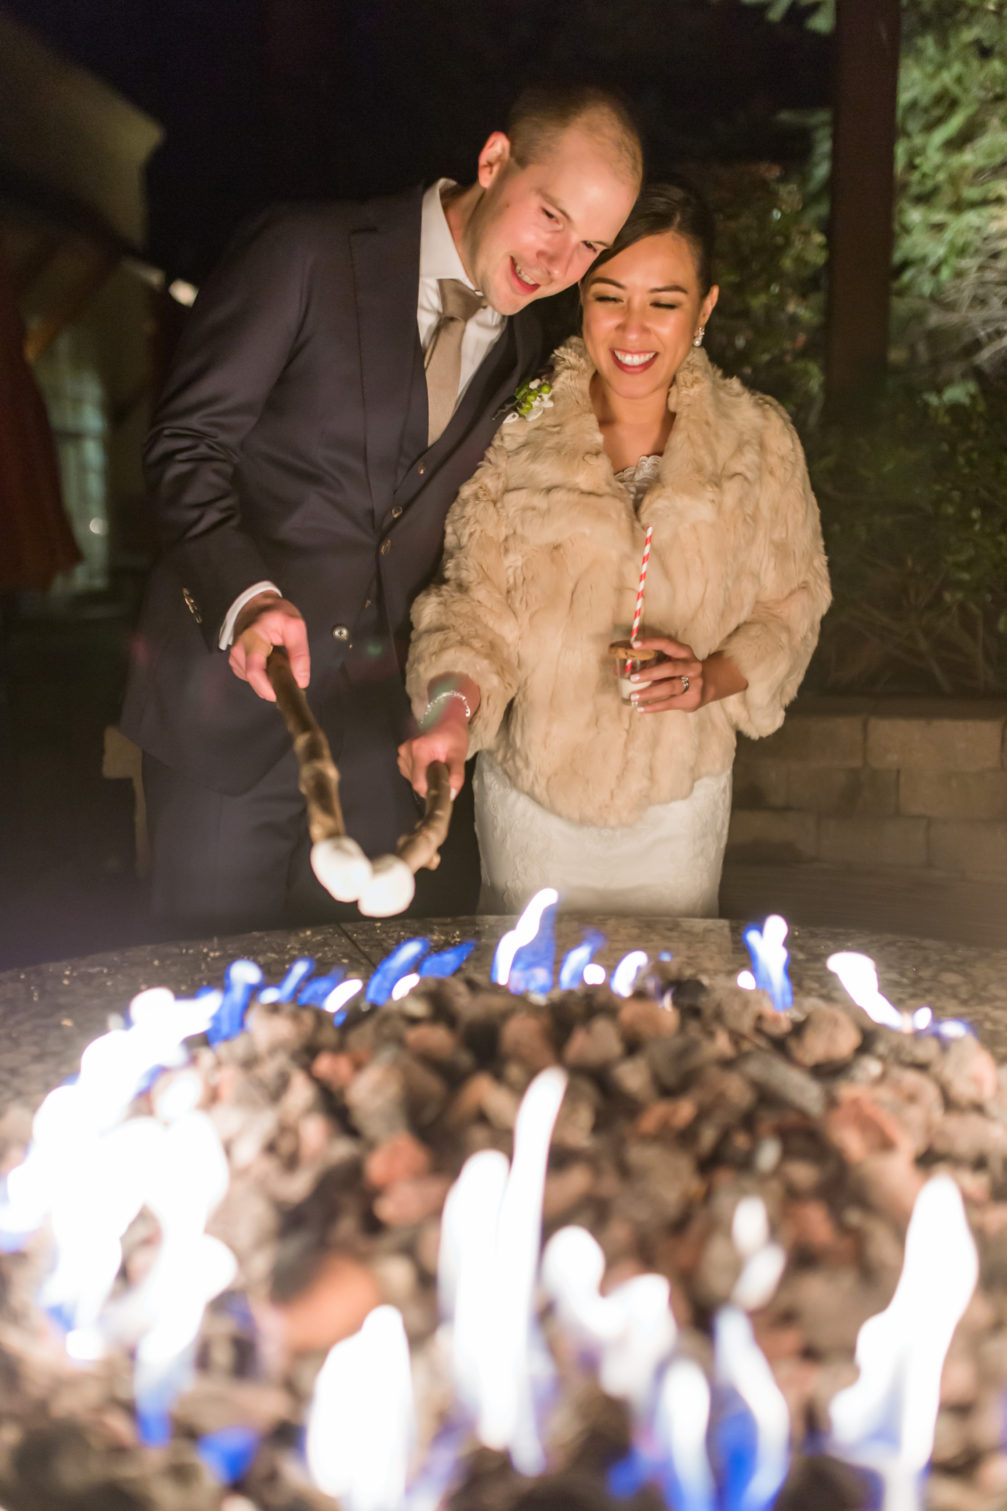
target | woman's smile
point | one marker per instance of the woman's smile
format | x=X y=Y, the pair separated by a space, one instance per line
x=632 y=362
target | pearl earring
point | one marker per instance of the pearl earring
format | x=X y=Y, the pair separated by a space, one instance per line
x=697 y=339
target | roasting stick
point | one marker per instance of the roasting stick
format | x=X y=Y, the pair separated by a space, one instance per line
x=393 y=885
x=338 y=861
x=422 y=847
x=318 y=776
x=387 y=886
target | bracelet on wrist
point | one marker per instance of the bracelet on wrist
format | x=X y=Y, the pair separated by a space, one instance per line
x=445 y=696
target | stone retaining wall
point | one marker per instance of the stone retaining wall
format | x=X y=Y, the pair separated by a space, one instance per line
x=904 y=783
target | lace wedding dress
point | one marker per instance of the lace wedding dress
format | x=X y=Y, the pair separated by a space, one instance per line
x=667 y=863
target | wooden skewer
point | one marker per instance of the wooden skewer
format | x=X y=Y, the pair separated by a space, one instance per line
x=422 y=847
x=318 y=779
x=318 y=776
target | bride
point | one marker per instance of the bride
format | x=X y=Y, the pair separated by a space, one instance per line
x=622 y=806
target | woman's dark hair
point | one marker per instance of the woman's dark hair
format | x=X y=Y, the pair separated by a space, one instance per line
x=675 y=205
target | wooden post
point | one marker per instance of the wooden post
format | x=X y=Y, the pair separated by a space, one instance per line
x=863 y=193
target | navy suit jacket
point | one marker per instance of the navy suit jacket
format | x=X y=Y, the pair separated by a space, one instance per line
x=290 y=444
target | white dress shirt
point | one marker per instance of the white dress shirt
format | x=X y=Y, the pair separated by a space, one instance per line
x=439 y=258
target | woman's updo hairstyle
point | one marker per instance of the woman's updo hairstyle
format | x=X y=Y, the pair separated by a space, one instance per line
x=675 y=205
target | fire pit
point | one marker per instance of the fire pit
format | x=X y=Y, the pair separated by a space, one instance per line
x=756 y=1169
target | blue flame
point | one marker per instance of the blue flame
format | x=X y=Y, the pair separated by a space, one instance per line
x=737 y=1440
x=153 y=1413
x=441 y=1466
x=228 y=1454
x=751 y=1420
x=62 y=1313
x=924 y=1022
x=623 y=978
x=645 y=1464
x=523 y=931
x=13 y=1239
x=769 y=960
x=571 y=971
x=394 y=966
x=316 y=991
x=240 y=982
x=288 y=988
x=630 y=1474
x=446 y=962
x=532 y=967
x=953 y=1028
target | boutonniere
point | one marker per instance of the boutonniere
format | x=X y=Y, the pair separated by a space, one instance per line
x=530 y=399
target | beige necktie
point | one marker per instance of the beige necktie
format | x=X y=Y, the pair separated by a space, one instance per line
x=444 y=354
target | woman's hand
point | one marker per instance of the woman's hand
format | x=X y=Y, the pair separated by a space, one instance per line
x=447 y=736
x=682 y=683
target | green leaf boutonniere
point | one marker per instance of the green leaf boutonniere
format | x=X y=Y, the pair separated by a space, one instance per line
x=530 y=399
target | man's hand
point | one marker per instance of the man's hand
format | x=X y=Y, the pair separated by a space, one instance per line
x=265 y=621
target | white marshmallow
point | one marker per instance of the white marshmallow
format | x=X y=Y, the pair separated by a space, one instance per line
x=341 y=866
x=390 y=890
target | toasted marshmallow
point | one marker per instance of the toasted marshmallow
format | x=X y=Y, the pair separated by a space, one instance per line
x=341 y=866
x=390 y=890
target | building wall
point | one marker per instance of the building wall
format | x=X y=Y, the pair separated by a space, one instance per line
x=62 y=128
x=95 y=379
x=899 y=784
x=73 y=155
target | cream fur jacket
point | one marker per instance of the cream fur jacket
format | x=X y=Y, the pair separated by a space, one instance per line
x=540 y=571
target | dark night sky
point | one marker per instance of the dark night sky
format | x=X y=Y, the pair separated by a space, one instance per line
x=265 y=99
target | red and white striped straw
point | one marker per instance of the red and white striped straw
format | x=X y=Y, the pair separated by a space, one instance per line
x=638 y=611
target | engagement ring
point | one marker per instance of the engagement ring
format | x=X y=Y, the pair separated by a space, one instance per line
x=685 y=684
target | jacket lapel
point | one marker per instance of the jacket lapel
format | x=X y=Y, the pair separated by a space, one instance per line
x=512 y=358
x=386 y=271
x=460 y=449
x=525 y=357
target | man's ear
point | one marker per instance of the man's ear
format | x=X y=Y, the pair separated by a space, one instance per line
x=493 y=158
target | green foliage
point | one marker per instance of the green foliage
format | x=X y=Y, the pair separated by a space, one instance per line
x=817 y=15
x=951 y=176
x=767 y=326
x=914 y=509
x=950 y=255
x=914 y=505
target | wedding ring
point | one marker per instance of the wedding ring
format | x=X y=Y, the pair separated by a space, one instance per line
x=685 y=683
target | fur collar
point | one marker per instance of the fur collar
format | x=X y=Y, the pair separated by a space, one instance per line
x=717 y=430
x=698 y=384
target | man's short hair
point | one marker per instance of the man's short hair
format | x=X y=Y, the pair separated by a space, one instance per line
x=543 y=111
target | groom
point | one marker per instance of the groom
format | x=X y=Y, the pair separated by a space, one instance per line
x=339 y=378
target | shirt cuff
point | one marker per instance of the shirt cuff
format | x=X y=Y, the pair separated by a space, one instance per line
x=227 y=628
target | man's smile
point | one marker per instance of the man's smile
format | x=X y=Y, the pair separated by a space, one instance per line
x=526 y=284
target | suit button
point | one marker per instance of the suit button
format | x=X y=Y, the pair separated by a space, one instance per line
x=368 y=603
x=341 y=632
x=396 y=511
x=421 y=469
x=386 y=546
